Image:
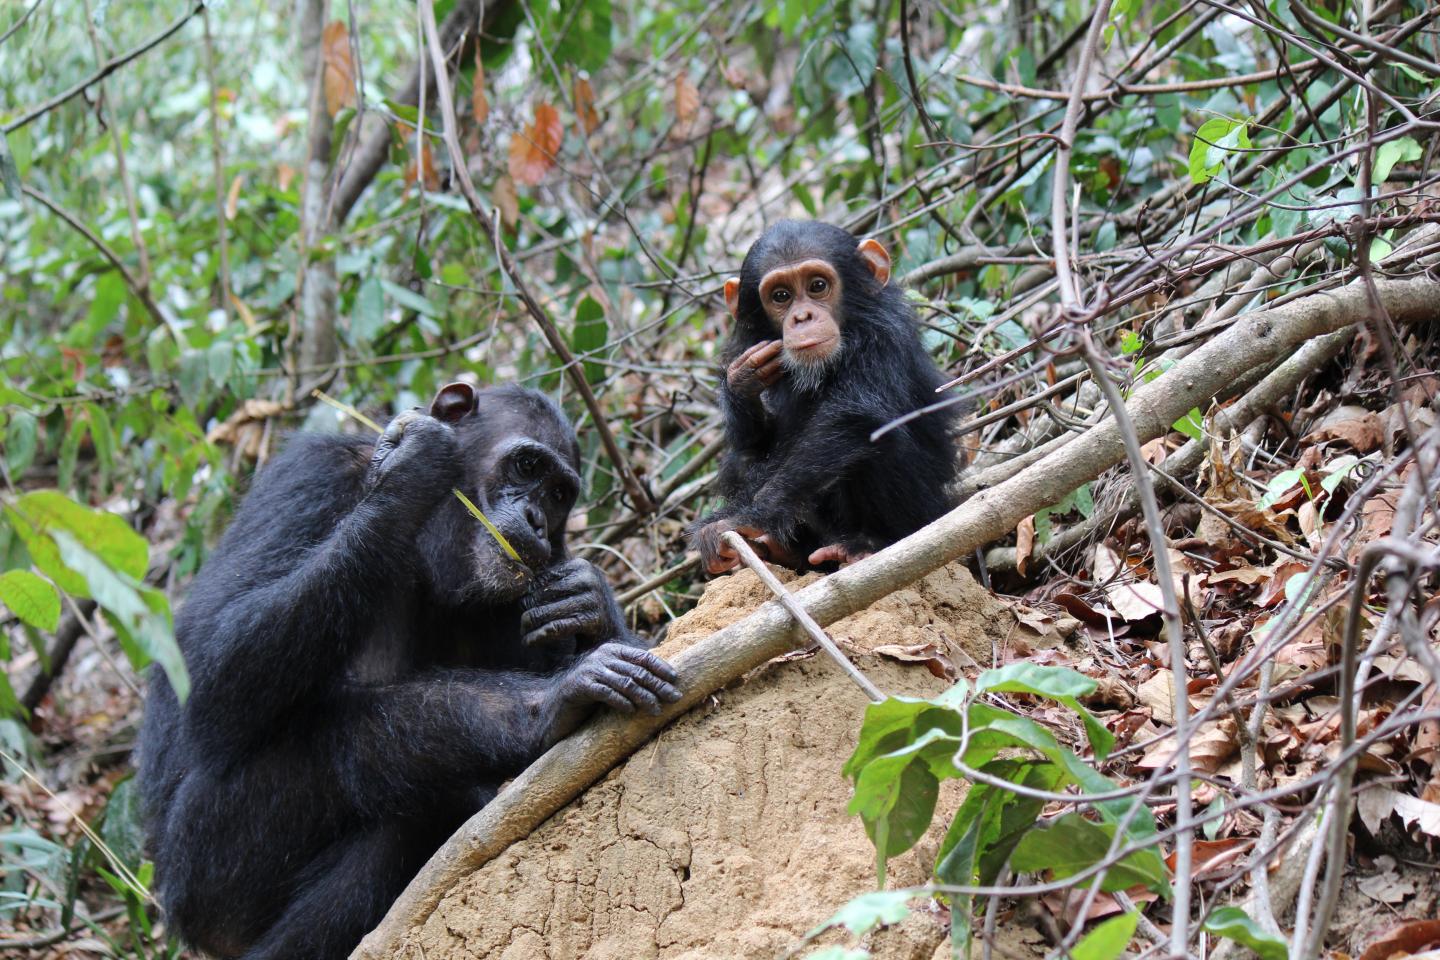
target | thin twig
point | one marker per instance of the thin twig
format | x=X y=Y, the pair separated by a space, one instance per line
x=807 y=622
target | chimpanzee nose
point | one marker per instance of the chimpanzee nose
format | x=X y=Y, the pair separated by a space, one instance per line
x=536 y=517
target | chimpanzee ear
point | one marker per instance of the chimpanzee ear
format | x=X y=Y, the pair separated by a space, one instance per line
x=875 y=257
x=454 y=401
x=732 y=295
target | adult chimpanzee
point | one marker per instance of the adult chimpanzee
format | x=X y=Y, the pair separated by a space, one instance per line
x=367 y=667
x=824 y=351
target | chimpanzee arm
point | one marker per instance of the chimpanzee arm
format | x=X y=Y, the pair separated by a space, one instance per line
x=309 y=566
x=393 y=745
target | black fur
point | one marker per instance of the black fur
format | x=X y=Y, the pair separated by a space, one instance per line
x=367 y=670
x=800 y=464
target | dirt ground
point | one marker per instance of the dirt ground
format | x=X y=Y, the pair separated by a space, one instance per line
x=727 y=835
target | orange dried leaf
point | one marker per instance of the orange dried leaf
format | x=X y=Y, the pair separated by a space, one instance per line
x=585 y=110
x=506 y=201
x=339 y=67
x=1024 y=544
x=232 y=199
x=687 y=101
x=479 y=103
x=533 y=151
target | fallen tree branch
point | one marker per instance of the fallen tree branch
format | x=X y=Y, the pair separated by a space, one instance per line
x=572 y=765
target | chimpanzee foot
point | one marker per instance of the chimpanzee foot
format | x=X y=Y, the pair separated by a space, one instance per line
x=836 y=553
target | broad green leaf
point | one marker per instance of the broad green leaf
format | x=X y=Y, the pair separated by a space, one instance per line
x=1214 y=142
x=1056 y=683
x=1071 y=844
x=409 y=299
x=367 y=317
x=1107 y=941
x=9 y=172
x=46 y=556
x=887 y=724
x=869 y=910
x=104 y=534
x=591 y=334
x=1192 y=425
x=1403 y=150
x=1278 y=486
x=31 y=598
x=21 y=441
x=1235 y=924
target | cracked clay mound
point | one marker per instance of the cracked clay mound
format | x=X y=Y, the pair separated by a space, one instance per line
x=726 y=836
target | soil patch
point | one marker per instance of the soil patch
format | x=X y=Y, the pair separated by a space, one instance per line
x=727 y=835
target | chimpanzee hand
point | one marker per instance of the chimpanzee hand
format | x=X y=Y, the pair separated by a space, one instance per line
x=718 y=556
x=756 y=369
x=622 y=677
x=571 y=599
x=417 y=456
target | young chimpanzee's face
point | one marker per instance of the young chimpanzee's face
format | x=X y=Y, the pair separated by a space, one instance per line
x=795 y=273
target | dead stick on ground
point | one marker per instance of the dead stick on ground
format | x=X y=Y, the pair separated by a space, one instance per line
x=787 y=600
x=568 y=768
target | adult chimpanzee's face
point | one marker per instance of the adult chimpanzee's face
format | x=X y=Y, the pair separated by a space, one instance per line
x=520 y=470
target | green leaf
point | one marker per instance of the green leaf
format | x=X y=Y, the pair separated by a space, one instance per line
x=31 y=598
x=1107 y=941
x=588 y=35
x=1055 y=683
x=367 y=318
x=1280 y=485
x=867 y=911
x=1235 y=924
x=21 y=441
x=409 y=299
x=9 y=172
x=1191 y=425
x=888 y=724
x=121 y=829
x=1403 y=150
x=194 y=367
x=1214 y=142
x=1071 y=844
x=104 y=534
x=591 y=334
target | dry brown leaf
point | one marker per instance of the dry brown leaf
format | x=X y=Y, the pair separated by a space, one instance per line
x=1158 y=693
x=479 y=103
x=1133 y=600
x=1213 y=744
x=1410 y=937
x=339 y=67
x=284 y=176
x=929 y=654
x=535 y=150
x=1024 y=544
x=232 y=199
x=426 y=166
x=1246 y=575
x=1213 y=858
x=506 y=200
x=687 y=104
x=1355 y=426
x=585 y=110
x=1387 y=886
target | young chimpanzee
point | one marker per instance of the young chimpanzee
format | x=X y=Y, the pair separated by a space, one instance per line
x=368 y=667
x=824 y=351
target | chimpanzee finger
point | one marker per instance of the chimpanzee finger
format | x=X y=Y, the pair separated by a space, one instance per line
x=632 y=690
x=766 y=351
x=600 y=691
x=644 y=658
x=576 y=607
x=648 y=679
x=557 y=630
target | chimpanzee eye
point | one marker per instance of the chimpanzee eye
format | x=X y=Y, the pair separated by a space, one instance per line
x=780 y=296
x=818 y=286
x=528 y=464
